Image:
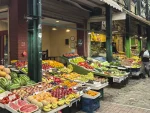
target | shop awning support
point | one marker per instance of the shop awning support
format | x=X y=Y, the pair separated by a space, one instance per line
x=139 y=34
x=34 y=40
x=148 y=37
x=109 y=33
x=128 y=39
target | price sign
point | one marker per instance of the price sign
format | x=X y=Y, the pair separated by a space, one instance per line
x=12 y=97
x=118 y=80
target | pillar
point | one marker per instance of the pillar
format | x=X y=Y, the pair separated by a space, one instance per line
x=108 y=33
x=127 y=25
x=128 y=40
x=17 y=29
x=148 y=37
x=81 y=40
x=139 y=40
x=35 y=40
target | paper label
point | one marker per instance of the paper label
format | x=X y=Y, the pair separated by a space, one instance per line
x=118 y=80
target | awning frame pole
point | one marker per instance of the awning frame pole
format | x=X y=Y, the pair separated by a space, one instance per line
x=34 y=40
x=108 y=33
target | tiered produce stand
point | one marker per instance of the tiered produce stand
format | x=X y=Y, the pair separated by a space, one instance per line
x=59 y=90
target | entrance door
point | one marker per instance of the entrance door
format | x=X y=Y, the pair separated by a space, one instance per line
x=3 y=47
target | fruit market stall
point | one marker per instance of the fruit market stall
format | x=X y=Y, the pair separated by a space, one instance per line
x=99 y=68
x=56 y=92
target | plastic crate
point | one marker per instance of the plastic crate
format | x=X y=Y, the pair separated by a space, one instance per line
x=90 y=105
x=101 y=91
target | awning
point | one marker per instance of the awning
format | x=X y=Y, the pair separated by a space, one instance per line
x=113 y=4
x=116 y=16
x=141 y=19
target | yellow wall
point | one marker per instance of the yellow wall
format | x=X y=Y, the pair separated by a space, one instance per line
x=54 y=41
x=3 y=26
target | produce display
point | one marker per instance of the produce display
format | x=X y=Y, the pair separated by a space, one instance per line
x=26 y=91
x=21 y=64
x=52 y=79
x=4 y=72
x=70 y=55
x=23 y=106
x=86 y=65
x=9 y=98
x=59 y=87
x=54 y=98
x=115 y=63
x=69 y=83
x=77 y=60
x=65 y=70
x=16 y=82
x=24 y=70
x=91 y=93
x=54 y=64
x=71 y=76
x=133 y=62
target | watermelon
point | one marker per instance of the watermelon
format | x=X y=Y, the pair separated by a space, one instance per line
x=14 y=106
x=21 y=103
x=16 y=81
x=13 y=86
x=25 y=77
x=4 y=83
x=13 y=75
x=29 y=108
x=31 y=82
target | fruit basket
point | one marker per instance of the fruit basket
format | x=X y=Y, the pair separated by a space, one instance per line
x=91 y=94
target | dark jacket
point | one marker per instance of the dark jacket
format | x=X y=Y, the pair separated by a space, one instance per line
x=114 y=49
x=144 y=59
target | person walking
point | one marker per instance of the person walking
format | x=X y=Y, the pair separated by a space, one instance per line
x=114 y=49
x=144 y=55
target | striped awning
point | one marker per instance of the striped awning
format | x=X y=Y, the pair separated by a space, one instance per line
x=141 y=19
x=113 y=4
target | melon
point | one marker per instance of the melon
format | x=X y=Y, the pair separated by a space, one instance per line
x=14 y=106
x=8 y=77
x=21 y=103
x=1 y=67
x=7 y=70
x=3 y=74
x=29 y=108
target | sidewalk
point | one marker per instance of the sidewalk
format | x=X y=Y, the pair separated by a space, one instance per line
x=108 y=107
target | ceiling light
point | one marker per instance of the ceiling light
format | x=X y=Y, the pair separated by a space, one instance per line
x=57 y=21
x=67 y=30
x=140 y=37
x=54 y=29
x=97 y=34
x=89 y=33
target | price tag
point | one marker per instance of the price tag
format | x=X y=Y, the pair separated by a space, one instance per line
x=118 y=80
x=12 y=97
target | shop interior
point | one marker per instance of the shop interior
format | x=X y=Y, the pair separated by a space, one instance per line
x=59 y=37
x=4 y=45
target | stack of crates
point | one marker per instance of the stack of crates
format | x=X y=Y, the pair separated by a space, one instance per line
x=90 y=105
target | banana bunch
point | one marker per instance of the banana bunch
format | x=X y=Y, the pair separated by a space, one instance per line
x=54 y=105
x=61 y=102
x=47 y=108
x=93 y=37
x=13 y=61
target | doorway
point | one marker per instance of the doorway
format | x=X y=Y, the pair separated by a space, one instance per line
x=3 y=47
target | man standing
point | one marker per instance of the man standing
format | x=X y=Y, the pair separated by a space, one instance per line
x=144 y=55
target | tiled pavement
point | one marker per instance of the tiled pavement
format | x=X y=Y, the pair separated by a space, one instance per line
x=108 y=107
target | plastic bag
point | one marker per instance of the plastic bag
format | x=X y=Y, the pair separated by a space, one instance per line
x=146 y=54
